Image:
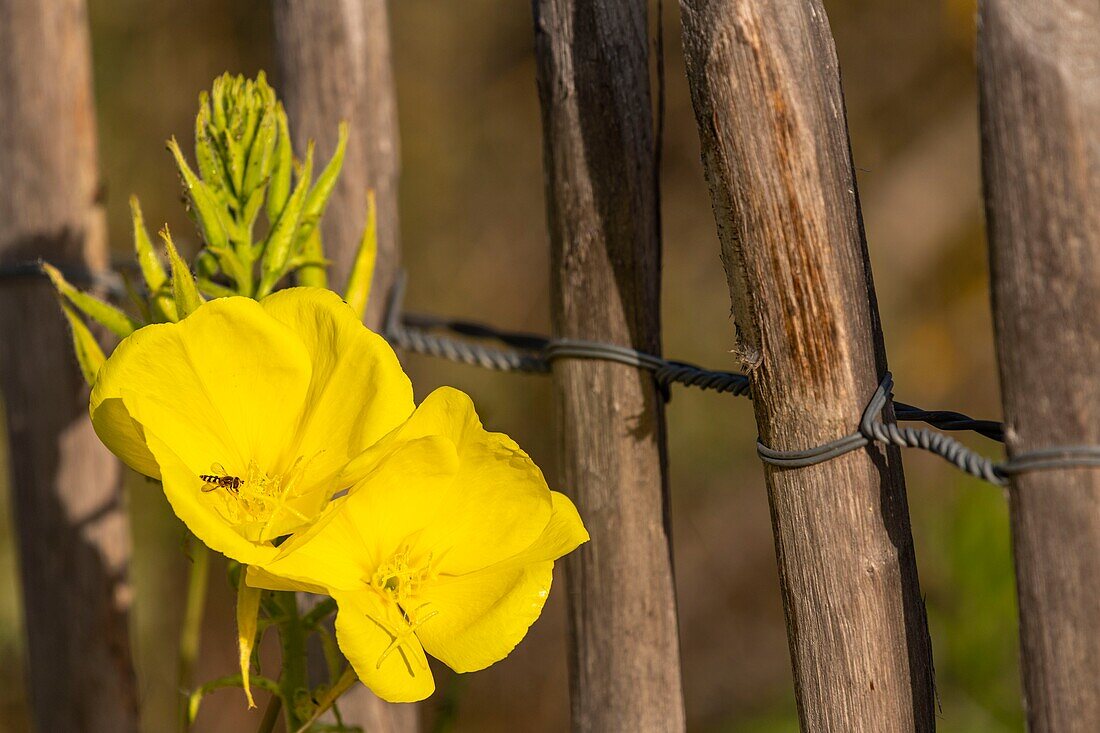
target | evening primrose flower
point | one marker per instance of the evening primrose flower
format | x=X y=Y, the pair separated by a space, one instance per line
x=445 y=544
x=249 y=412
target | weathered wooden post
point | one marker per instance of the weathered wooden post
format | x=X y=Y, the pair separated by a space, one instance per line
x=335 y=64
x=1039 y=74
x=601 y=193
x=767 y=98
x=69 y=515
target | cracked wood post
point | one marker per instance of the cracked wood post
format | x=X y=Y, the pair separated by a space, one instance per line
x=766 y=91
x=335 y=64
x=602 y=209
x=1038 y=63
x=66 y=488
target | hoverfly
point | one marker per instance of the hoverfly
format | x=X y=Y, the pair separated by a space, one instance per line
x=219 y=479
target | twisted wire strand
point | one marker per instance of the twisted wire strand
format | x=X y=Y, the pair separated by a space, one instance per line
x=531 y=353
x=873 y=429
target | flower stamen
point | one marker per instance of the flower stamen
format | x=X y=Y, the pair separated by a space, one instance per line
x=259 y=498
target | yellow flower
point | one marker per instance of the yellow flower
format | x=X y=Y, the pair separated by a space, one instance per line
x=445 y=544
x=250 y=411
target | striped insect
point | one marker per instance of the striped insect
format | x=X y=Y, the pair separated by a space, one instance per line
x=219 y=478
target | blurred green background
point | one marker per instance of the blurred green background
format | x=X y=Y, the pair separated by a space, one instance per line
x=475 y=244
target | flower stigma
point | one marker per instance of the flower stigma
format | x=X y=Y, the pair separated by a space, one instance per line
x=399 y=581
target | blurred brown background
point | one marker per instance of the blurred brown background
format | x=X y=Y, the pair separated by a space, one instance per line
x=475 y=246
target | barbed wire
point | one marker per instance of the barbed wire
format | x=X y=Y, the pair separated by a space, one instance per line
x=464 y=342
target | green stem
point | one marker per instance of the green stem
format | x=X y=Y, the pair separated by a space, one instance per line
x=319 y=613
x=347 y=679
x=294 y=680
x=198 y=575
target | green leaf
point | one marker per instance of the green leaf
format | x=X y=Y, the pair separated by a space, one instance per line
x=357 y=294
x=207 y=210
x=279 y=190
x=117 y=321
x=184 y=290
x=233 y=680
x=88 y=354
x=277 y=248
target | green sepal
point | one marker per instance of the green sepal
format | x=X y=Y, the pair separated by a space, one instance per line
x=252 y=210
x=204 y=203
x=213 y=289
x=217 y=100
x=258 y=167
x=235 y=160
x=311 y=265
x=319 y=195
x=278 y=191
x=88 y=354
x=137 y=299
x=115 y=320
x=184 y=291
x=357 y=293
x=206 y=264
x=248 y=613
x=206 y=150
x=163 y=309
x=277 y=248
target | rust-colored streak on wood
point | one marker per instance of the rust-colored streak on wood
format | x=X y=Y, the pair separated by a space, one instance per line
x=1039 y=74
x=68 y=511
x=335 y=64
x=601 y=194
x=774 y=140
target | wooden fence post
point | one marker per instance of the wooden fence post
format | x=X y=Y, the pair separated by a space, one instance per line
x=767 y=98
x=66 y=488
x=1039 y=62
x=334 y=61
x=601 y=193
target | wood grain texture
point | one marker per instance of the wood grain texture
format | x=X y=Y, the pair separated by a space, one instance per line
x=1039 y=71
x=766 y=92
x=334 y=63
x=66 y=488
x=600 y=160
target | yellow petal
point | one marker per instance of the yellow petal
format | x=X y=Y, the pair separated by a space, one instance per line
x=248 y=613
x=119 y=432
x=225 y=385
x=366 y=628
x=496 y=504
x=358 y=392
x=257 y=577
x=199 y=510
x=484 y=615
x=481 y=616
